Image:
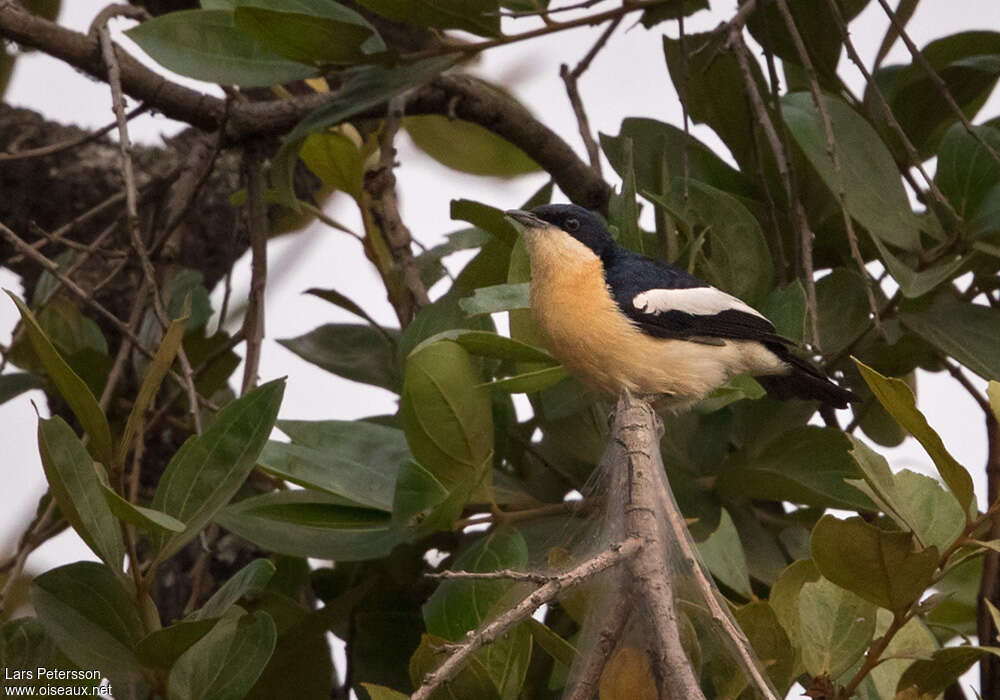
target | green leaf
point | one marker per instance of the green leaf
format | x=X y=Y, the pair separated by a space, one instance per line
x=915 y=283
x=355 y=459
x=868 y=175
x=364 y=87
x=739 y=260
x=23 y=645
x=804 y=465
x=785 y=592
x=879 y=565
x=309 y=31
x=723 y=554
x=70 y=386
x=337 y=161
x=623 y=211
x=473 y=681
x=207 y=45
x=157 y=370
x=993 y=393
x=74 y=484
x=497 y=298
x=354 y=351
x=529 y=382
x=477 y=16
x=760 y=623
x=658 y=146
x=489 y=344
x=654 y=15
x=468 y=147
x=913 y=640
x=226 y=662
x=964 y=331
x=966 y=171
x=16 y=383
x=380 y=692
x=916 y=502
x=967 y=62
x=447 y=416
x=485 y=217
x=554 y=645
x=422 y=504
x=91 y=618
x=250 y=581
x=208 y=469
x=306 y=523
x=899 y=401
x=715 y=78
x=143 y=518
x=785 y=307
x=835 y=627
x=930 y=677
x=842 y=309
x=442 y=316
x=161 y=649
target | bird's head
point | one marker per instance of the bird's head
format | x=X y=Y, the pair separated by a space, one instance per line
x=563 y=220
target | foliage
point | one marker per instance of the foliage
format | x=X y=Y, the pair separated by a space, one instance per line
x=824 y=599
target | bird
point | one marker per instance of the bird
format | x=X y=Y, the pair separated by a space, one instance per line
x=619 y=320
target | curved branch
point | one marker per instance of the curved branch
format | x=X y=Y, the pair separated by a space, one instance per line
x=449 y=95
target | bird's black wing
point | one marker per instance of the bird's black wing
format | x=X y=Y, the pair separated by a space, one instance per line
x=667 y=302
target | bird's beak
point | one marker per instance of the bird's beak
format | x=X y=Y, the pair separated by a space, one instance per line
x=525 y=218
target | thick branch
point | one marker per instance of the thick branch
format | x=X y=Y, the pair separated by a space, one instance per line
x=464 y=98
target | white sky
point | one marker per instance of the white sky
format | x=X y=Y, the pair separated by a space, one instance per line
x=628 y=78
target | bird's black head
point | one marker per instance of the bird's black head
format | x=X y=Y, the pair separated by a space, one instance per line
x=583 y=225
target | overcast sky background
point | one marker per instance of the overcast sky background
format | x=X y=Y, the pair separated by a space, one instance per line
x=628 y=78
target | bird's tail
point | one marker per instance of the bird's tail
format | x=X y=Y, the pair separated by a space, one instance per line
x=804 y=381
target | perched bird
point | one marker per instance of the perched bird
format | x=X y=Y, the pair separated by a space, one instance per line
x=619 y=320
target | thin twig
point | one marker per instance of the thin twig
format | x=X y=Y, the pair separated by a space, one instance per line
x=29 y=541
x=132 y=203
x=890 y=118
x=256 y=210
x=502 y=575
x=596 y=657
x=571 y=80
x=54 y=148
x=796 y=211
x=831 y=151
x=522 y=611
x=919 y=57
x=121 y=358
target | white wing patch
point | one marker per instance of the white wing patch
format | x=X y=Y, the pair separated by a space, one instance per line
x=699 y=301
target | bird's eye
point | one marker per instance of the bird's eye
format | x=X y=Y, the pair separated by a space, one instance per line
x=572 y=225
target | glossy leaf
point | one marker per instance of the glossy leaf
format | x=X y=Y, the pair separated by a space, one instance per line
x=804 y=465
x=355 y=459
x=915 y=283
x=208 y=469
x=489 y=344
x=73 y=389
x=155 y=372
x=309 y=31
x=249 y=581
x=868 y=173
x=446 y=415
x=723 y=554
x=485 y=217
x=90 y=617
x=226 y=662
x=835 y=627
x=529 y=382
x=473 y=681
x=380 y=692
x=354 y=351
x=785 y=592
x=497 y=298
x=305 y=523
x=993 y=393
x=74 y=484
x=879 y=565
x=440 y=317
x=842 y=309
x=785 y=307
x=899 y=401
x=477 y=16
x=623 y=210
x=207 y=45
x=467 y=147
